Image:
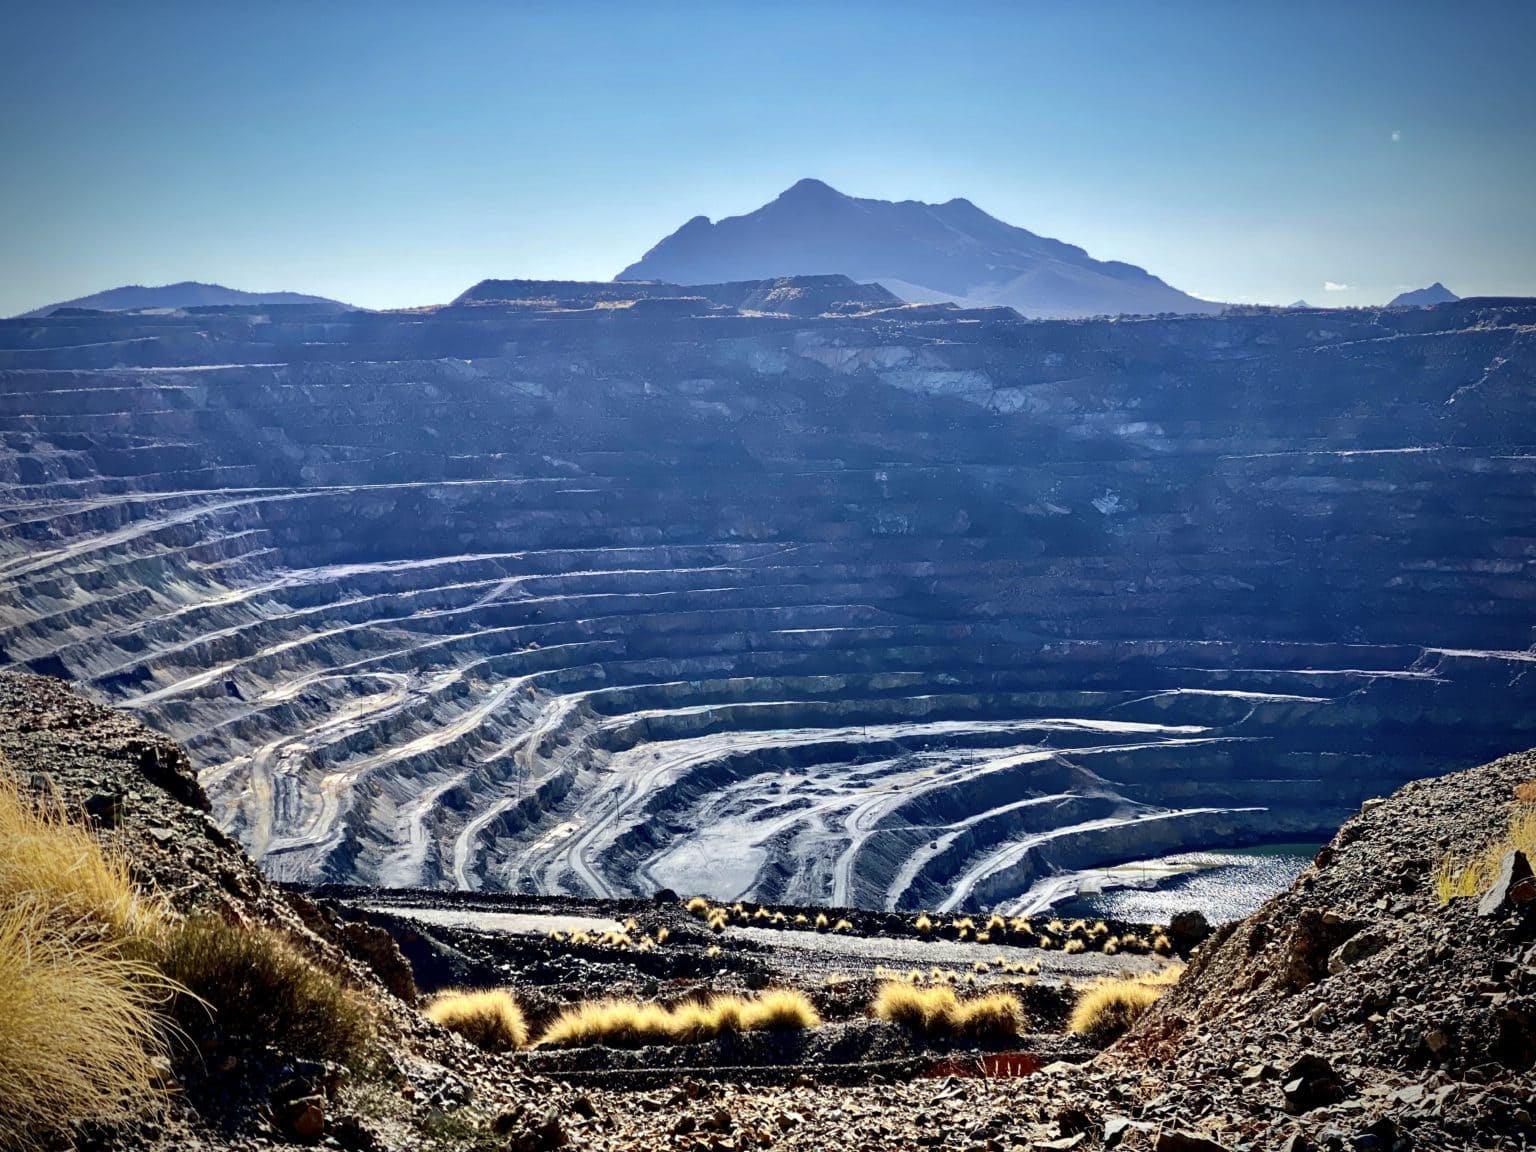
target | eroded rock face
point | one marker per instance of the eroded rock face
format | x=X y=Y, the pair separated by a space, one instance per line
x=890 y=608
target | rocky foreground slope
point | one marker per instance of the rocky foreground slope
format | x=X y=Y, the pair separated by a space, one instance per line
x=1354 y=1011
x=777 y=590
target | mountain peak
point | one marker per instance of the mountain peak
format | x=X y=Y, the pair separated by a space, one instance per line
x=810 y=189
x=925 y=253
x=1436 y=293
x=182 y=294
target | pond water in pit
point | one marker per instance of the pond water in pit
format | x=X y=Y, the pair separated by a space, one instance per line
x=1225 y=885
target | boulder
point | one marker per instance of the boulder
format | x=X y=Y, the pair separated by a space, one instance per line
x=1514 y=885
x=1311 y=1083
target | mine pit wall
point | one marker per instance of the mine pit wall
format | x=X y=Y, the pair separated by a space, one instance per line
x=495 y=597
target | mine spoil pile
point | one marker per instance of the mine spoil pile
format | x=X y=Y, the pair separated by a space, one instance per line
x=1368 y=1007
x=781 y=592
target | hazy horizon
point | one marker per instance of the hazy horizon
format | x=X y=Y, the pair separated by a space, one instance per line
x=394 y=156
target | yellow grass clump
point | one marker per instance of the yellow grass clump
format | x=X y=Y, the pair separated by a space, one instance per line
x=80 y=1034
x=938 y=1012
x=48 y=856
x=698 y=907
x=1074 y=946
x=1461 y=879
x=80 y=1037
x=781 y=1010
x=628 y=1024
x=490 y=1018
x=923 y=923
x=1107 y=1008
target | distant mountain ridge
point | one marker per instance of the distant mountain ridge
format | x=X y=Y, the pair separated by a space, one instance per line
x=1436 y=293
x=922 y=252
x=186 y=294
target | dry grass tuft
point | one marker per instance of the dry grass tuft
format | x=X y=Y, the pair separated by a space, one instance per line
x=246 y=987
x=923 y=923
x=698 y=907
x=490 y=1019
x=1108 y=1007
x=80 y=1035
x=782 y=1010
x=627 y=1024
x=1074 y=946
x=1461 y=879
x=54 y=860
x=1525 y=792
x=995 y=1016
x=937 y=1012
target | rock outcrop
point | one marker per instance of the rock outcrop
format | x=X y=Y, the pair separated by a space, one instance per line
x=770 y=591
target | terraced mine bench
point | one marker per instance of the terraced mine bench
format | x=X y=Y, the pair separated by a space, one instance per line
x=850 y=603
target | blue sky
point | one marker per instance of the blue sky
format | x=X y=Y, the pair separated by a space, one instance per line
x=392 y=154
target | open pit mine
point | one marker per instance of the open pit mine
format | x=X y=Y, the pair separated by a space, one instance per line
x=782 y=591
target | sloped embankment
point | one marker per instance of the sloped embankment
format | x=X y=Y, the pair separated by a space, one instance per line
x=1358 y=1002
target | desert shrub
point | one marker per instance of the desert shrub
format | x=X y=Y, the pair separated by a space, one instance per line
x=246 y=987
x=490 y=1019
x=1107 y=1008
x=1525 y=792
x=923 y=924
x=698 y=907
x=1074 y=946
x=628 y=1024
